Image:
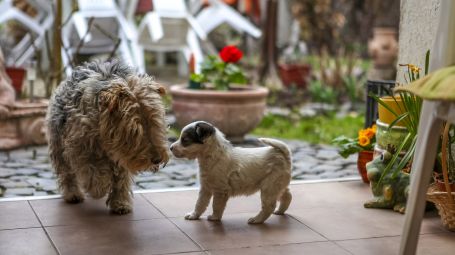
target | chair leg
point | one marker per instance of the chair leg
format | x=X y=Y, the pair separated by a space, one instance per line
x=423 y=162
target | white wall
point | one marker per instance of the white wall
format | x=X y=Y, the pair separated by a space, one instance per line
x=418 y=21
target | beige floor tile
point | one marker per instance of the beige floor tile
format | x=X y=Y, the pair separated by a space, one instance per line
x=25 y=241
x=54 y=212
x=317 y=248
x=372 y=246
x=357 y=222
x=331 y=194
x=179 y=203
x=437 y=244
x=234 y=232
x=173 y=204
x=156 y=236
x=334 y=194
x=190 y=253
x=17 y=215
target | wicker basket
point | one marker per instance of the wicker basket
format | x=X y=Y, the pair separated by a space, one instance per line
x=443 y=200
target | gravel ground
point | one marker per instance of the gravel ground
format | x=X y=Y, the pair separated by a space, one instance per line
x=28 y=172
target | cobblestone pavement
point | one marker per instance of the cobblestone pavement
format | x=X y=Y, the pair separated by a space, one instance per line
x=28 y=172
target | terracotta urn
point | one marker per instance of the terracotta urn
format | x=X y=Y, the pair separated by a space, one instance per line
x=383 y=48
x=235 y=112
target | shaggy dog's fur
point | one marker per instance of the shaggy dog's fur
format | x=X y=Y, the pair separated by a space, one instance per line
x=227 y=171
x=105 y=123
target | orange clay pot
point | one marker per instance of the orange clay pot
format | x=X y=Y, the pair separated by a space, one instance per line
x=362 y=160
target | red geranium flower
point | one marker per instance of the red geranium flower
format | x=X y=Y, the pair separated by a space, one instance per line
x=231 y=54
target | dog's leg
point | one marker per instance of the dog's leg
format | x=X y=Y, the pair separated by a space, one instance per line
x=67 y=180
x=119 y=199
x=268 y=200
x=285 y=201
x=219 y=203
x=201 y=205
x=69 y=186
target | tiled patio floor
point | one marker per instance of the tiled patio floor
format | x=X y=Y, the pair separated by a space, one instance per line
x=324 y=218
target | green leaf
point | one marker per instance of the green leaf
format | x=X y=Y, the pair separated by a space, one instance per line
x=197 y=77
x=395 y=157
x=427 y=62
x=406 y=158
x=396 y=120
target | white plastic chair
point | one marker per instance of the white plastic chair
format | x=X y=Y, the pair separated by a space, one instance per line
x=171 y=28
x=433 y=114
x=218 y=13
x=108 y=16
x=37 y=27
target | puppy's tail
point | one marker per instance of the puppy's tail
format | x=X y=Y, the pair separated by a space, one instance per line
x=279 y=145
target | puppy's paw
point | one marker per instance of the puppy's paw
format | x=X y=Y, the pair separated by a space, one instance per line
x=277 y=212
x=191 y=216
x=121 y=208
x=255 y=220
x=213 y=218
x=73 y=198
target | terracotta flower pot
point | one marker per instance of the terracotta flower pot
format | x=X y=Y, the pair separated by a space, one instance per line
x=363 y=158
x=234 y=112
x=294 y=74
x=17 y=75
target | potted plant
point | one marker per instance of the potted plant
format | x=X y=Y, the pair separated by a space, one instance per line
x=439 y=86
x=293 y=70
x=409 y=107
x=10 y=35
x=219 y=95
x=363 y=145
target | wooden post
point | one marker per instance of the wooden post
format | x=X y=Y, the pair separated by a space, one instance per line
x=57 y=44
x=268 y=73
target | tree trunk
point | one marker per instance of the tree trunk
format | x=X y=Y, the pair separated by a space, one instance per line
x=268 y=74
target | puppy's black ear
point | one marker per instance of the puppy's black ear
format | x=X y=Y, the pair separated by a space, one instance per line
x=204 y=130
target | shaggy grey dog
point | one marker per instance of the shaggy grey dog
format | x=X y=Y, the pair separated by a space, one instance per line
x=105 y=124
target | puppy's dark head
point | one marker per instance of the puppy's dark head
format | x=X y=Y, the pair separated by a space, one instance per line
x=192 y=139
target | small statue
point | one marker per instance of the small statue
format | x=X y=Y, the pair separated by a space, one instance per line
x=392 y=191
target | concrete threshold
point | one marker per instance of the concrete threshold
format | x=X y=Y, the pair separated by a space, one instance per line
x=142 y=191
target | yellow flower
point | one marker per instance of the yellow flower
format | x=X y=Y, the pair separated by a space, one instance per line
x=412 y=68
x=415 y=69
x=364 y=141
x=374 y=128
x=369 y=133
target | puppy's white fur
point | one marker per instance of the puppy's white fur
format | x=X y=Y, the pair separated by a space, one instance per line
x=227 y=171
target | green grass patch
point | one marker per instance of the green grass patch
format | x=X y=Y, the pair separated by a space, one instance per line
x=321 y=129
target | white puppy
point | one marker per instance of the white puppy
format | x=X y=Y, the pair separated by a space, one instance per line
x=227 y=171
